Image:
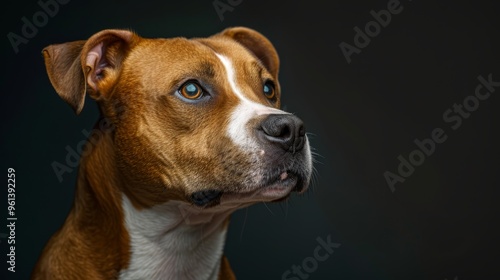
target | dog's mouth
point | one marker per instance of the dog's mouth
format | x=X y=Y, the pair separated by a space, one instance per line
x=283 y=180
x=275 y=186
x=280 y=186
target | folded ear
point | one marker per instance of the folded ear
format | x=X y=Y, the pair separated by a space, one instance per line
x=92 y=66
x=256 y=43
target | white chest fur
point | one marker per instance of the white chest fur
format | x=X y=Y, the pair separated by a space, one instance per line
x=173 y=241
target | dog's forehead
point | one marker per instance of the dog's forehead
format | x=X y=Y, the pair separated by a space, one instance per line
x=241 y=67
x=234 y=57
x=167 y=62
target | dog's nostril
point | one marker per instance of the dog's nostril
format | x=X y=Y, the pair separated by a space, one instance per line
x=281 y=132
x=286 y=131
x=274 y=127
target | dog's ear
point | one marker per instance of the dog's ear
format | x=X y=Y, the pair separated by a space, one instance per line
x=91 y=66
x=256 y=43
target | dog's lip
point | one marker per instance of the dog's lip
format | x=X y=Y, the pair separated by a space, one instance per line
x=206 y=198
x=275 y=188
x=281 y=186
x=284 y=179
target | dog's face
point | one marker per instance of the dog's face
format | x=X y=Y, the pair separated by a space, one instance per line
x=195 y=120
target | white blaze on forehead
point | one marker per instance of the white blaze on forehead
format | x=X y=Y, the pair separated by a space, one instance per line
x=245 y=111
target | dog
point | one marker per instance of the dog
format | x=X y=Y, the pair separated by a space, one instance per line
x=193 y=132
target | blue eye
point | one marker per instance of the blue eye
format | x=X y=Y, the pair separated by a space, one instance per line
x=191 y=90
x=269 y=91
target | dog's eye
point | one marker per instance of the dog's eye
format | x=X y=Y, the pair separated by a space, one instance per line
x=269 y=91
x=191 y=90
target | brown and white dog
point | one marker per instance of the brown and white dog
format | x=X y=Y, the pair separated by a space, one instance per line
x=196 y=133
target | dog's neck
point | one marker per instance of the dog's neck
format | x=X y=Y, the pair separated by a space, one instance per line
x=174 y=240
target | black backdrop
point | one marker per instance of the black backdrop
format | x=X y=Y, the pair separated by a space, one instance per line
x=440 y=223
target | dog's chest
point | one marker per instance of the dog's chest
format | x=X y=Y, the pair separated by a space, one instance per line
x=164 y=246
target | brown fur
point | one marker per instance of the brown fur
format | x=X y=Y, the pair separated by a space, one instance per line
x=159 y=147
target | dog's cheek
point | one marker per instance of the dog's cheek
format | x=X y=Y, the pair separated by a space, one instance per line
x=148 y=176
x=222 y=167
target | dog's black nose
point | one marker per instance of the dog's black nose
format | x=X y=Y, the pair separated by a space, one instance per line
x=284 y=130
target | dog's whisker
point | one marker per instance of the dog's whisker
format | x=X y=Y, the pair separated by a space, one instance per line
x=265 y=204
x=244 y=224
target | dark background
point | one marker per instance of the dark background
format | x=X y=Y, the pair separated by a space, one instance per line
x=440 y=223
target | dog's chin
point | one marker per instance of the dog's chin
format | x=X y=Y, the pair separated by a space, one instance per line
x=274 y=187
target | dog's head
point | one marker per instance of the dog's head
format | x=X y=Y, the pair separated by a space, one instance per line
x=194 y=120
